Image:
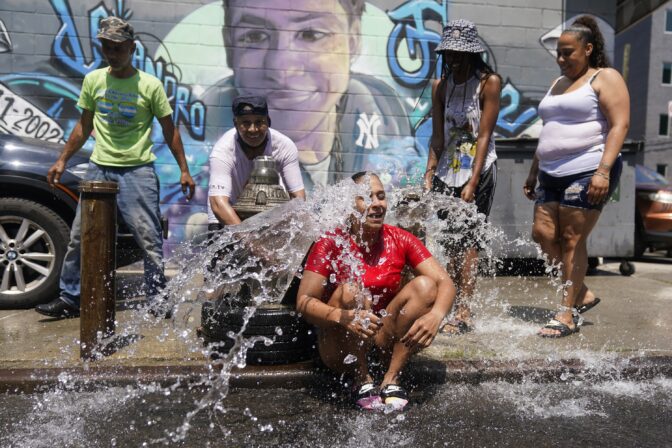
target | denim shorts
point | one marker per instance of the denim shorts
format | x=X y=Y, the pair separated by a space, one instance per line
x=572 y=190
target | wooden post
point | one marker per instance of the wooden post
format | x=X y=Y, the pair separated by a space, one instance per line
x=98 y=262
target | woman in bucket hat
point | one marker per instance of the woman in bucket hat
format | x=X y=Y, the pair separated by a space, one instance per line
x=462 y=158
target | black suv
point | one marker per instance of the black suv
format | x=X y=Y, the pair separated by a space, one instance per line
x=35 y=220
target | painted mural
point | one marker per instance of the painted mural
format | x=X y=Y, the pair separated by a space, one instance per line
x=351 y=89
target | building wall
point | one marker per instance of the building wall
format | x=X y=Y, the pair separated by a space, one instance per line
x=632 y=58
x=376 y=102
x=658 y=149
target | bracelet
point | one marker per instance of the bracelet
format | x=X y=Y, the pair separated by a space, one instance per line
x=430 y=170
x=602 y=175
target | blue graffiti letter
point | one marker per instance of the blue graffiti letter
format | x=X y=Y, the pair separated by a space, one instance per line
x=66 y=47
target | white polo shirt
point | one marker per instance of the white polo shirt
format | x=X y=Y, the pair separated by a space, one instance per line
x=230 y=168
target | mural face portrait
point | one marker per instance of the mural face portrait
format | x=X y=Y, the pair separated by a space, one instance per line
x=298 y=55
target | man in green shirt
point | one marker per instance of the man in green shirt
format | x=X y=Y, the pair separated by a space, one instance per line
x=120 y=102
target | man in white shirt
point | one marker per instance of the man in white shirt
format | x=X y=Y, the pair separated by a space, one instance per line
x=231 y=159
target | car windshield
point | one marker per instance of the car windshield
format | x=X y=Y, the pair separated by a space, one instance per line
x=644 y=175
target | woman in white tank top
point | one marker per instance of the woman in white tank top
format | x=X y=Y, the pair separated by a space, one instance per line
x=461 y=161
x=586 y=114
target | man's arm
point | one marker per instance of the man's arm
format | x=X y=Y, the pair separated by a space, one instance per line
x=77 y=138
x=223 y=210
x=291 y=174
x=172 y=136
x=301 y=194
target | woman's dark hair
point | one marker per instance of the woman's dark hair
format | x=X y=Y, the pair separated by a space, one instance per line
x=358 y=175
x=585 y=27
x=476 y=61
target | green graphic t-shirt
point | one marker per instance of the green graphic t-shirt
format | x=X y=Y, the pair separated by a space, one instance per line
x=123 y=113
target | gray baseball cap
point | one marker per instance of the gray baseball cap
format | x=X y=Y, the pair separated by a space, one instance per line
x=115 y=29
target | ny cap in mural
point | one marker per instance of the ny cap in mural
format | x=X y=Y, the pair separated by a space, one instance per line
x=249 y=105
x=460 y=35
x=115 y=29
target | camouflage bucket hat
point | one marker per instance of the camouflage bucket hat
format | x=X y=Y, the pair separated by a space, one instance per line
x=115 y=29
x=460 y=35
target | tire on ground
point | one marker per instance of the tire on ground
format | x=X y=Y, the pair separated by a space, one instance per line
x=269 y=314
x=294 y=339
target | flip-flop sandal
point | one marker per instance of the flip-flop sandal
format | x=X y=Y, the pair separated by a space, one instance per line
x=394 y=397
x=460 y=327
x=564 y=329
x=585 y=307
x=367 y=397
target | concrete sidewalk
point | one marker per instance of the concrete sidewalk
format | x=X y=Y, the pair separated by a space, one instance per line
x=629 y=331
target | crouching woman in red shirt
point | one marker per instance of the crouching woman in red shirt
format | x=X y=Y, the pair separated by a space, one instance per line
x=351 y=290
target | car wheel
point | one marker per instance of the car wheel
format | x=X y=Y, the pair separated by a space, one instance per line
x=33 y=241
x=626 y=268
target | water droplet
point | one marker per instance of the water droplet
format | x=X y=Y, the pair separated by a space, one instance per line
x=278 y=331
x=350 y=359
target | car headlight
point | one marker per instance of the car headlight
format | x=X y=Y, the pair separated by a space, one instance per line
x=79 y=170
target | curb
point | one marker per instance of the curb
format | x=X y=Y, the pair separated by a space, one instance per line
x=305 y=374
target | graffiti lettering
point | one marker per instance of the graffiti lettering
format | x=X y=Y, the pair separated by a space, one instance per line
x=513 y=116
x=67 y=51
x=67 y=48
x=191 y=114
x=409 y=20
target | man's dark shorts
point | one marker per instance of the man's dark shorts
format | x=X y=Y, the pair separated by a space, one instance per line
x=485 y=193
x=572 y=191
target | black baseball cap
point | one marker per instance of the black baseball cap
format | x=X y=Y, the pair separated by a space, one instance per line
x=249 y=105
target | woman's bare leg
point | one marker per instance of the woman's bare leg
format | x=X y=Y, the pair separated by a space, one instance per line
x=414 y=300
x=575 y=225
x=463 y=270
x=546 y=232
x=336 y=343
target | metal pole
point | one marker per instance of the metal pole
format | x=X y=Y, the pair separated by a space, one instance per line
x=98 y=260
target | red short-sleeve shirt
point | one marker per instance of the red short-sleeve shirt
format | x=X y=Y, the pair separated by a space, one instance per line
x=381 y=266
